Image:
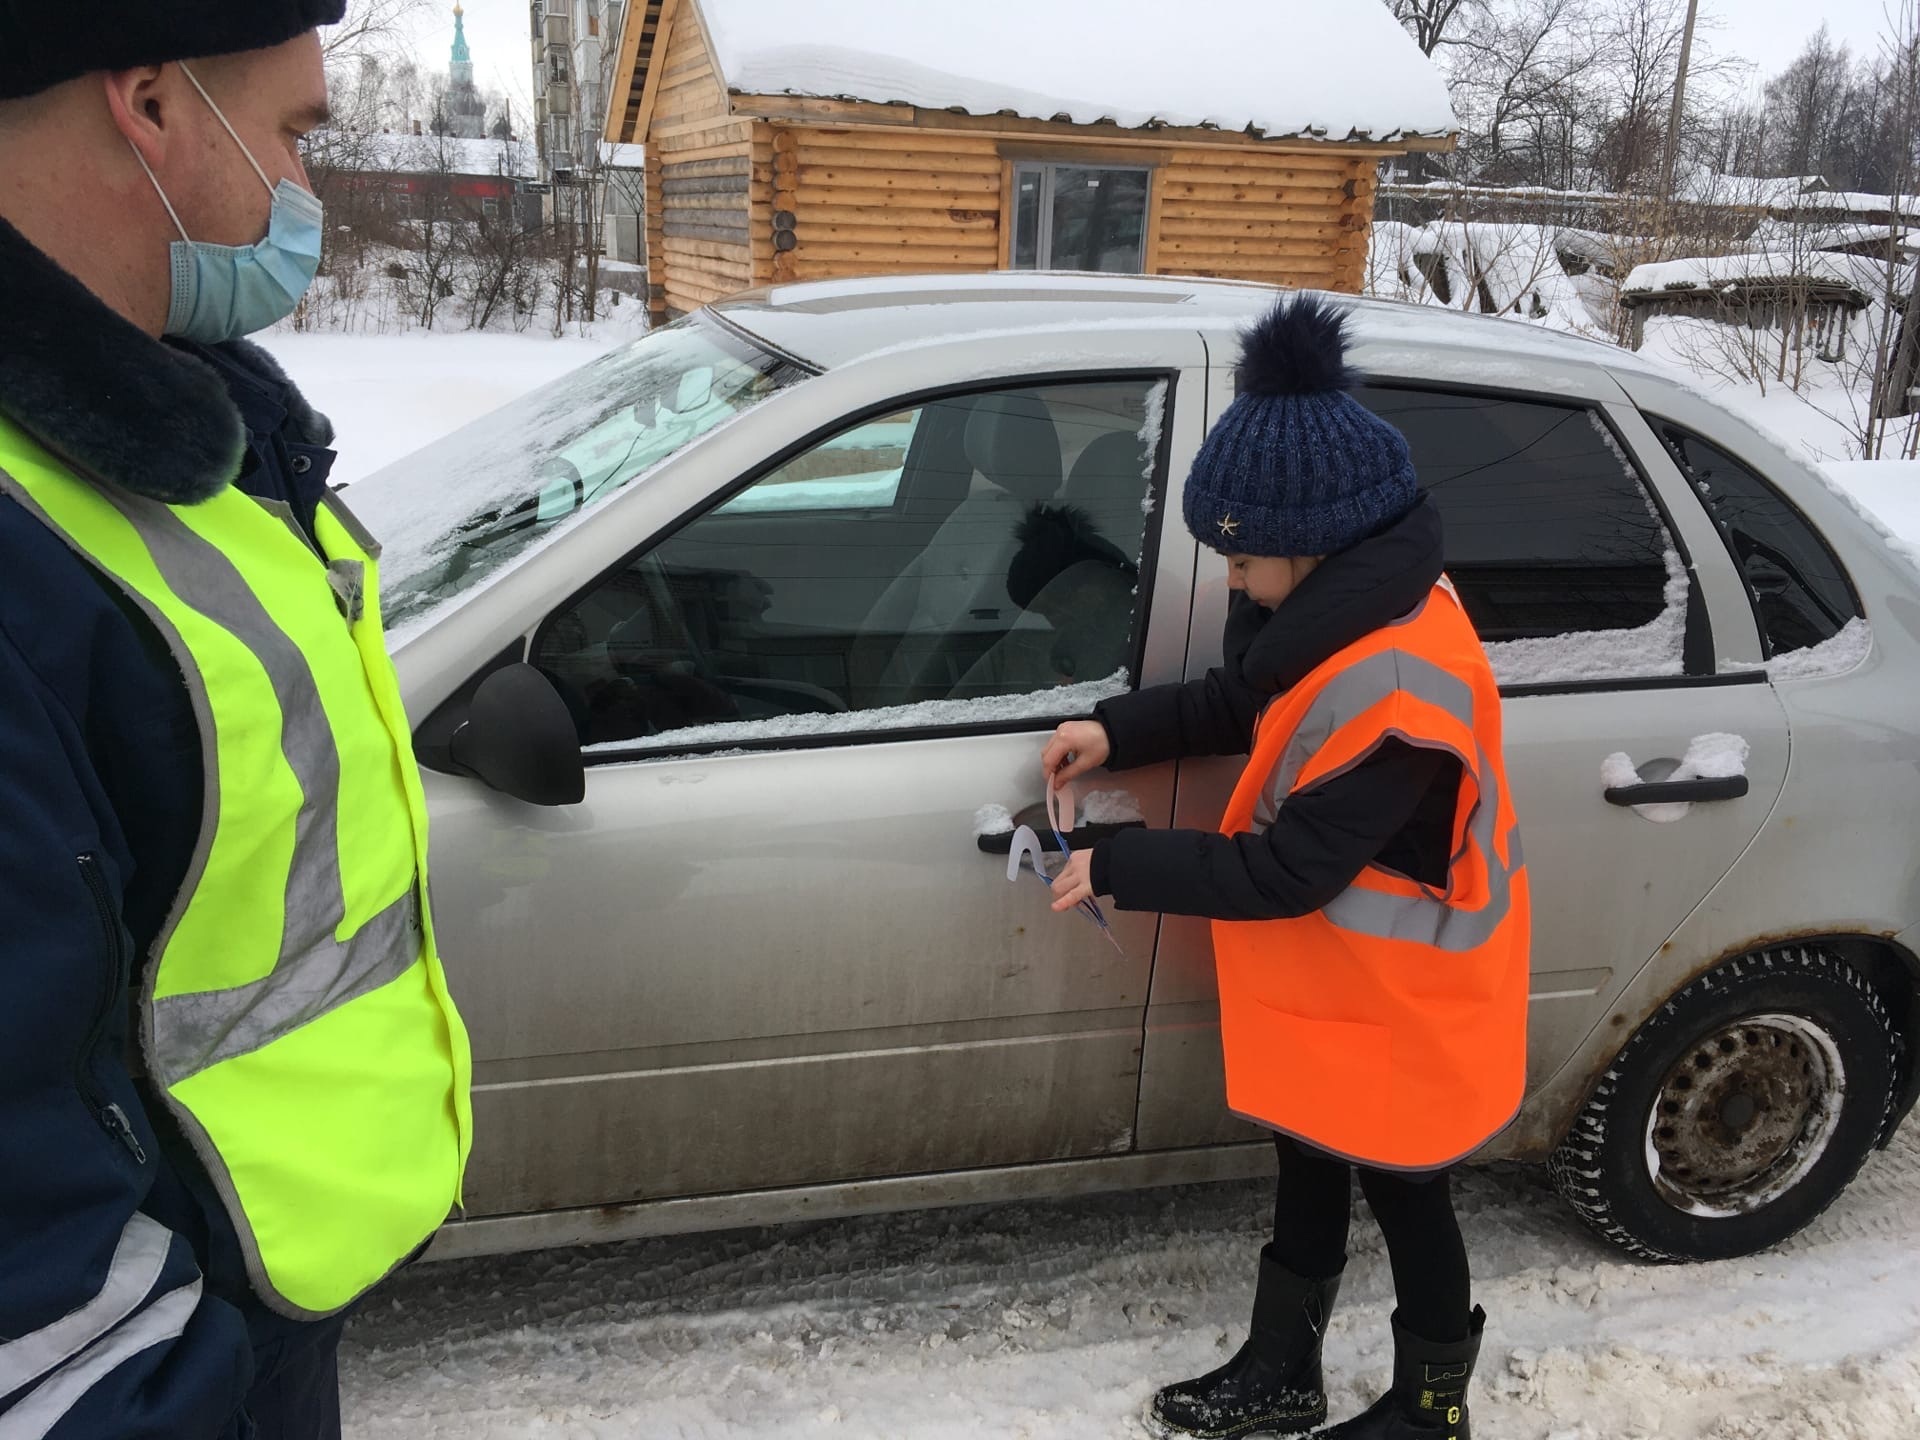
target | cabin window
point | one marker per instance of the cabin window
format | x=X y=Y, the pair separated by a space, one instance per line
x=1080 y=217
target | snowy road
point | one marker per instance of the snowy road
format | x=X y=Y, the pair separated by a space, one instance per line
x=1051 y=1321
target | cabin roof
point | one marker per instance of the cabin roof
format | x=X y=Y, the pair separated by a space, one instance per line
x=1339 y=70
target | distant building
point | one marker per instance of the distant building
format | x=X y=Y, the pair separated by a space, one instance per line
x=466 y=117
x=574 y=49
x=402 y=178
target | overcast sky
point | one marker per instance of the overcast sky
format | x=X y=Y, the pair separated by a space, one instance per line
x=1767 y=32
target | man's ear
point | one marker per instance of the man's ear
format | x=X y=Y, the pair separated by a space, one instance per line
x=139 y=101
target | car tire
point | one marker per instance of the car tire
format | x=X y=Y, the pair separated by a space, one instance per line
x=1737 y=1113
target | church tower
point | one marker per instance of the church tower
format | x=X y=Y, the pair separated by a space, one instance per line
x=466 y=111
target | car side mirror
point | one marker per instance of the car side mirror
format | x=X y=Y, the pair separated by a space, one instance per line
x=520 y=739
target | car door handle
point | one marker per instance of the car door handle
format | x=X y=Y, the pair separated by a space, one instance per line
x=1679 y=792
x=1081 y=837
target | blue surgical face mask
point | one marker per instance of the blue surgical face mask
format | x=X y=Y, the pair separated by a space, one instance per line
x=221 y=292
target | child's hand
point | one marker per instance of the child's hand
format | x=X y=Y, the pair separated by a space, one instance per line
x=1076 y=747
x=1075 y=882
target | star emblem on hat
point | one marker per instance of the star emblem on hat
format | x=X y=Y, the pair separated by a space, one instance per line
x=1229 y=526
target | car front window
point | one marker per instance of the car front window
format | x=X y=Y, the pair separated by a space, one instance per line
x=461 y=509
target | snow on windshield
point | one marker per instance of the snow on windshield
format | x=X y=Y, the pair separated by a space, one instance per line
x=463 y=507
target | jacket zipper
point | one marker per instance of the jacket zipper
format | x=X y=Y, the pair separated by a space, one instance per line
x=112 y=1118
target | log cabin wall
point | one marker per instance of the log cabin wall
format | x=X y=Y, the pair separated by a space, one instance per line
x=702 y=243
x=883 y=201
x=1284 y=217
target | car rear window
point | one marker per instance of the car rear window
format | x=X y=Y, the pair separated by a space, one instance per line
x=1556 y=547
x=1801 y=594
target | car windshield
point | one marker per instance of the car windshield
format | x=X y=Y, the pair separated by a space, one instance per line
x=452 y=514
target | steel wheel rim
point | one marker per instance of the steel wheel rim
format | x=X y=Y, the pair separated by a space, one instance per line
x=1744 y=1114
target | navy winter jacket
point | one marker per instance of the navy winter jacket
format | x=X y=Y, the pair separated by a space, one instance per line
x=124 y=1307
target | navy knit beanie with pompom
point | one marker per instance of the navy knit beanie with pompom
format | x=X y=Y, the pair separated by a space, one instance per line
x=1296 y=465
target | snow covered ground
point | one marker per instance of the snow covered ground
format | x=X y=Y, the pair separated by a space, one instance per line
x=1057 y=1321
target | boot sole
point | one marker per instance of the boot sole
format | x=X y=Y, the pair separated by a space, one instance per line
x=1300 y=1423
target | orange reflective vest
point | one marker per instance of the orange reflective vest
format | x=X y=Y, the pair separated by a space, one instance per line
x=1390 y=1027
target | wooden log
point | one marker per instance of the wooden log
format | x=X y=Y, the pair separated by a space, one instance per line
x=873 y=141
x=812 y=190
x=1330 y=229
x=1215 y=248
x=918 y=165
x=711 y=249
x=1184 y=192
x=950 y=222
x=684 y=268
x=690 y=134
x=738 y=163
x=852 y=269
x=1227 y=169
x=1187 y=212
x=808 y=109
x=950 y=237
x=677 y=153
x=785 y=240
x=708 y=209
x=708 y=186
x=718 y=234
x=902 y=256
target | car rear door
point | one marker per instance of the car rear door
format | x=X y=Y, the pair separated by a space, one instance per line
x=1622 y=639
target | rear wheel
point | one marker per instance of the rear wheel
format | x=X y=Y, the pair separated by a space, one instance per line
x=1737 y=1113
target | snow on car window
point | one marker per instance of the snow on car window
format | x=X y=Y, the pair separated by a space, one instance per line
x=464 y=507
x=1655 y=649
x=1063 y=702
x=1836 y=656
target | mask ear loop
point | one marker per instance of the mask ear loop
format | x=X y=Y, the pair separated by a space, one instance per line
x=153 y=180
x=219 y=115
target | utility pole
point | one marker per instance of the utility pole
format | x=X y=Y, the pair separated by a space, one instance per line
x=1670 y=163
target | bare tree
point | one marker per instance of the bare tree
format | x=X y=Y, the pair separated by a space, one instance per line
x=1434 y=23
x=370 y=26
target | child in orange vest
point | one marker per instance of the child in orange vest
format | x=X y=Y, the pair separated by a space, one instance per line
x=1369 y=899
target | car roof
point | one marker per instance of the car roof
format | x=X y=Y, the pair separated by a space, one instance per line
x=834 y=323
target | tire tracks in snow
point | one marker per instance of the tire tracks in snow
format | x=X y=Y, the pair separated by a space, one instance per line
x=1055 y=1320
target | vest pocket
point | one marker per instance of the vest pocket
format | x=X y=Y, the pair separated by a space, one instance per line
x=114 y=980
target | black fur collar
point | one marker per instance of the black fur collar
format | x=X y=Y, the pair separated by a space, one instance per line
x=102 y=394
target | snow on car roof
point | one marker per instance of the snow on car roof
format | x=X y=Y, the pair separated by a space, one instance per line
x=832 y=323
x=1336 y=69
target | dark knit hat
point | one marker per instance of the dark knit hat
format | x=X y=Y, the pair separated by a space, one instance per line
x=42 y=45
x=1296 y=465
x=1053 y=539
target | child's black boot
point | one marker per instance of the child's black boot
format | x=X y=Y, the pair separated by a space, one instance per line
x=1428 y=1400
x=1273 y=1385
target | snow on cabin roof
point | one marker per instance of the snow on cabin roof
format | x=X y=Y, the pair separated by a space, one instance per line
x=1764 y=267
x=1333 y=69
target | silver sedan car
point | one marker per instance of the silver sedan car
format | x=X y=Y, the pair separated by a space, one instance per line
x=732 y=654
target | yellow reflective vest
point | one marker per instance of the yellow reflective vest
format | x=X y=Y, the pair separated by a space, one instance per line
x=293 y=1012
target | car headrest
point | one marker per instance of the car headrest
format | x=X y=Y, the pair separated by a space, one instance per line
x=1012 y=440
x=1114 y=465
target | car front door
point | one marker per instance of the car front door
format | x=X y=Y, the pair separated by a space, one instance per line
x=768 y=951
x=1615 y=624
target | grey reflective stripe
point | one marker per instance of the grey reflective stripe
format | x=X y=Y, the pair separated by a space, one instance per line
x=47 y=1404
x=138 y=1259
x=202 y=1030
x=314 y=972
x=1351 y=693
x=1425 y=920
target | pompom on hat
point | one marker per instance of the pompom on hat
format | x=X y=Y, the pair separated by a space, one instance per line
x=1297 y=466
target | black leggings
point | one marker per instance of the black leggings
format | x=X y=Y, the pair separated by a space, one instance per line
x=1415 y=1213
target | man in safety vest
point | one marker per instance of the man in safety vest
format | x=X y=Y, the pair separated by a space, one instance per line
x=233 y=1088
x=1367 y=889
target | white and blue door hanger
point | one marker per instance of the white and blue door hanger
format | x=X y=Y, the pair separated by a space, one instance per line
x=1026 y=846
